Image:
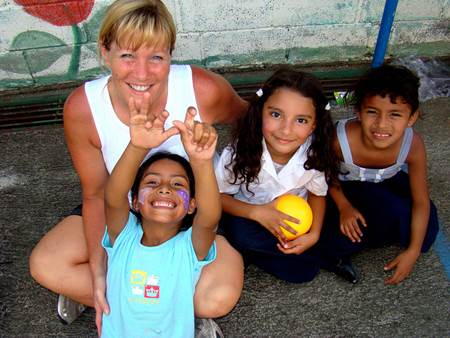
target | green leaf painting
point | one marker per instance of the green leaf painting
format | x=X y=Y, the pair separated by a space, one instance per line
x=35 y=39
x=41 y=59
x=33 y=51
x=14 y=63
x=33 y=58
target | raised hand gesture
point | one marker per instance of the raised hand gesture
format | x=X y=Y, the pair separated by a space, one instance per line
x=146 y=130
x=199 y=139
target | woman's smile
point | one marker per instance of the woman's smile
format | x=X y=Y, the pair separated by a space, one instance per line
x=139 y=88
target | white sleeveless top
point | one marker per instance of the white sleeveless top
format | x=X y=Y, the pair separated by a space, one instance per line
x=115 y=136
x=353 y=172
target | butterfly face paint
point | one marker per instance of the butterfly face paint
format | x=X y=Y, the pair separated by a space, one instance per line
x=143 y=193
x=185 y=197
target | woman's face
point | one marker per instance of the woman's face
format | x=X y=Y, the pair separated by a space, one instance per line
x=134 y=73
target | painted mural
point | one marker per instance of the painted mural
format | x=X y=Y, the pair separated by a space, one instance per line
x=47 y=42
x=58 y=13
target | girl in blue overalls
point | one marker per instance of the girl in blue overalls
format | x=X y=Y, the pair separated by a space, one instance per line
x=382 y=196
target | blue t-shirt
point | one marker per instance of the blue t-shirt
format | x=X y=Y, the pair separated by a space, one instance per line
x=150 y=289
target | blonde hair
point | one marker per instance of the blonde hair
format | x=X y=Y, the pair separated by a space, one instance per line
x=133 y=23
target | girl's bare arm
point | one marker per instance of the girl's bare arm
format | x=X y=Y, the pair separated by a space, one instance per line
x=199 y=141
x=117 y=206
x=417 y=168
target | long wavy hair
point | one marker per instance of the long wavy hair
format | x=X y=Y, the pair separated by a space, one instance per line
x=246 y=136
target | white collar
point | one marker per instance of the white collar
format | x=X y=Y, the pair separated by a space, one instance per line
x=297 y=160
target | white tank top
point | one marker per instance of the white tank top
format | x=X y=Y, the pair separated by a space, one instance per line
x=115 y=136
x=353 y=172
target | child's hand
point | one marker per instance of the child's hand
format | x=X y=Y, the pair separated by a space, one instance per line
x=146 y=130
x=349 y=225
x=403 y=265
x=199 y=139
x=299 y=244
x=272 y=219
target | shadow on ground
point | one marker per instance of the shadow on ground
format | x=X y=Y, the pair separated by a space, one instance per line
x=38 y=187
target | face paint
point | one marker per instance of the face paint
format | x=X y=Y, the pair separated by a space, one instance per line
x=185 y=197
x=143 y=195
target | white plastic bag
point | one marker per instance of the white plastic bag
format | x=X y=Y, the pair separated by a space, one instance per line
x=434 y=76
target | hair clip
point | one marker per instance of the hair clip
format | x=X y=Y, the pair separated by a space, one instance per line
x=328 y=107
x=259 y=92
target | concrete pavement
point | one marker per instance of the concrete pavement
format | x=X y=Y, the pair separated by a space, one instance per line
x=38 y=186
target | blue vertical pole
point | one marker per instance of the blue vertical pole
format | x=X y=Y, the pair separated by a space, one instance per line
x=384 y=32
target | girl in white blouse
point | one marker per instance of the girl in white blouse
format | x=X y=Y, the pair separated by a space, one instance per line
x=282 y=145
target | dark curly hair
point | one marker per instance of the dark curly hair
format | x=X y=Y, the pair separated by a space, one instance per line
x=397 y=82
x=161 y=155
x=247 y=134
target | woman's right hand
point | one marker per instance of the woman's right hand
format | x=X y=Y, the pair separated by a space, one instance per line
x=146 y=130
x=272 y=219
x=349 y=223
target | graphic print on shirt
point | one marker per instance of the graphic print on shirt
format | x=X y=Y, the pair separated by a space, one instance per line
x=144 y=286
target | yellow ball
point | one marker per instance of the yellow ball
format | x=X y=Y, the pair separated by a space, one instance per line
x=297 y=207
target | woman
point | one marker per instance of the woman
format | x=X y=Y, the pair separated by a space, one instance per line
x=136 y=41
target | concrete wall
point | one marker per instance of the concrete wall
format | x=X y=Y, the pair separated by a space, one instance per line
x=54 y=41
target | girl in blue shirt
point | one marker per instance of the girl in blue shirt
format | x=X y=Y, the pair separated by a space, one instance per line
x=153 y=267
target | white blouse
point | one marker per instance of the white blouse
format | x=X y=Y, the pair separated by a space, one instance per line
x=293 y=178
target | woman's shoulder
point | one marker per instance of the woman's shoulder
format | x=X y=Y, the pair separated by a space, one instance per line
x=203 y=76
x=78 y=120
x=76 y=105
x=206 y=83
x=218 y=102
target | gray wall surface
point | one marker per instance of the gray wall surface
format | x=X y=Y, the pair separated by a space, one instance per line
x=49 y=42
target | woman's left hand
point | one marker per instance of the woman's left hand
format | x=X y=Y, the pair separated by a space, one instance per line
x=299 y=244
x=403 y=265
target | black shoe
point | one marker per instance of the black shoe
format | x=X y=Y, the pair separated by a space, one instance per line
x=344 y=268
